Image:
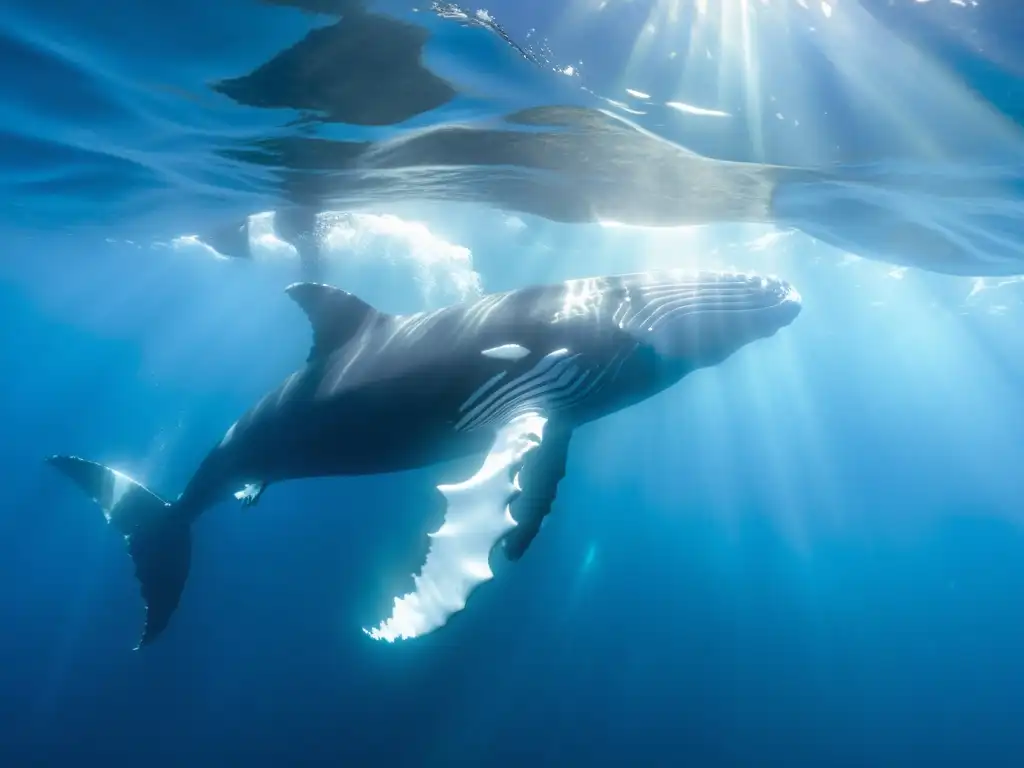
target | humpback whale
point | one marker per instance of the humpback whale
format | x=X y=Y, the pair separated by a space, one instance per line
x=508 y=377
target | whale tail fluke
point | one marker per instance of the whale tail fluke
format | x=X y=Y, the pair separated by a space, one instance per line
x=157 y=535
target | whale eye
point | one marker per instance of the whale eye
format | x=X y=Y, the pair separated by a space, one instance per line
x=507 y=352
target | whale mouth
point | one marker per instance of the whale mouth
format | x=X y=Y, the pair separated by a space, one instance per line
x=705 y=317
x=790 y=302
x=662 y=297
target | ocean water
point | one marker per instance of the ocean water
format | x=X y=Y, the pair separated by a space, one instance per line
x=811 y=554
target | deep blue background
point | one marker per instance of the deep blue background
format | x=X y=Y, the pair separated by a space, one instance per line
x=810 y=555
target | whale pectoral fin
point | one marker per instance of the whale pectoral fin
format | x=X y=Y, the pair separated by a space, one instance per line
x=542 y=471
x=336 y=315
x=476 y=519
x=250 y=494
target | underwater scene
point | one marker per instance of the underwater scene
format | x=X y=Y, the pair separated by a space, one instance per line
x=555 y=382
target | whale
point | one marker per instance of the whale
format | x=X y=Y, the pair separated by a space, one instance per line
x=508 y=378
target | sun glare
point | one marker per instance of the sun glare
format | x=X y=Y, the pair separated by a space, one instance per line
x=747 y=60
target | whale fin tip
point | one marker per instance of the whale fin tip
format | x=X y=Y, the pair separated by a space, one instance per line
x=336 y=315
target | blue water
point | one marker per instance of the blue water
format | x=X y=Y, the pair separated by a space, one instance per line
x=809 y=555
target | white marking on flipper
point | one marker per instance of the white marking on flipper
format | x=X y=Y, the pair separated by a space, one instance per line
x=477 y=518
x=507 y=352
x=250 y=494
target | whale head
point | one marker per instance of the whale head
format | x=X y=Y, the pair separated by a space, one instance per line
x=700 y=319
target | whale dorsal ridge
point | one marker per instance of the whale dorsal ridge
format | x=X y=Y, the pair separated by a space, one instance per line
x=336 y=315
